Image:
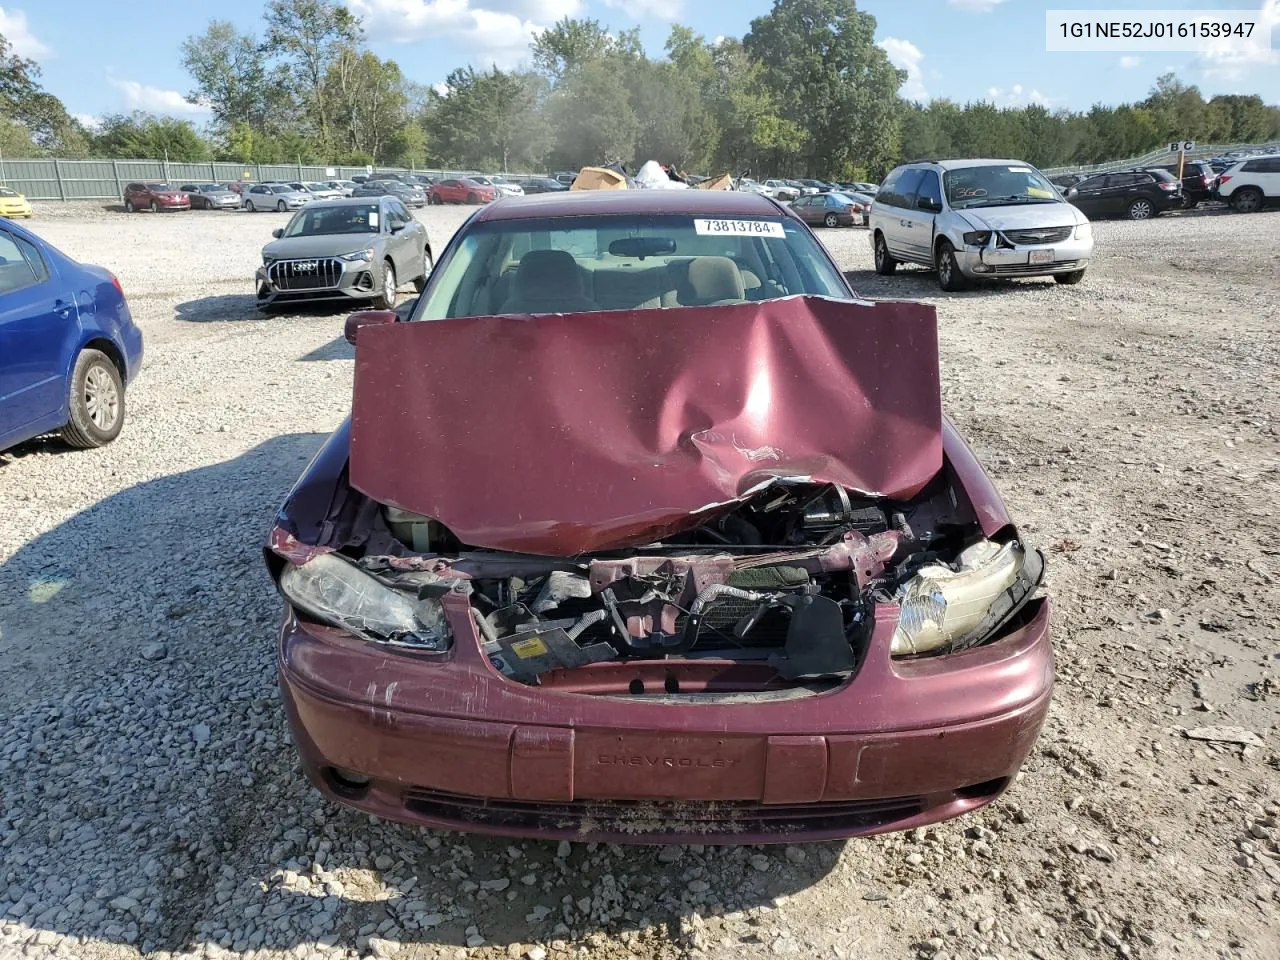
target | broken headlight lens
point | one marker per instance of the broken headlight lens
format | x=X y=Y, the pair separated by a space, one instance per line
x=944 y=606
x=336 y=591
x=977 y=238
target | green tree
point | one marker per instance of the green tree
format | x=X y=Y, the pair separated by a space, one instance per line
x=489 y=118
x=141 y=134
x=569 y=44
x=830 y=79
x=231 y=76
x=369 y=100
x=592 y=113
x=34 y=120
x=310 y=36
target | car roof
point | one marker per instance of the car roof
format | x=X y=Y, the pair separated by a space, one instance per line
x=344 y=202
x=960 y=164
x=588 y=203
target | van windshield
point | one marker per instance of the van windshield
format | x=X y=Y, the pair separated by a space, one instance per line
x=996 y=185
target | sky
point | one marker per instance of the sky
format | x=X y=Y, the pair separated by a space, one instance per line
x=99 y=61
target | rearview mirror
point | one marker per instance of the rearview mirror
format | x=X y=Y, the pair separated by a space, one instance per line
x=366 y=318
x=278 y=232
x=642 y=247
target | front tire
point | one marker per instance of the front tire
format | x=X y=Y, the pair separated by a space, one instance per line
x=1069 y=279
x=386 y=299
x=885 y=264
x=950 y=278
x=250 y=207
x=1248 y=200
x=280 y=207
x=831 y=220
x=472 y=198
x=129 y=207
x=428 y=265
x=96 y=403
x=1141 y=209
x=155 y=207
x=435 y=200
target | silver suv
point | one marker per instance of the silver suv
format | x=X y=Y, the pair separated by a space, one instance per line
x=970 y=219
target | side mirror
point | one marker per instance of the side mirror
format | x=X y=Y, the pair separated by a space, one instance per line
x=397 y=227
x=1072 y=193
x=366 y=318
x=278 y=232
x=929 y=204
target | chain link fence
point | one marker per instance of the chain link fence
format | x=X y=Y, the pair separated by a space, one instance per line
x=48 y=179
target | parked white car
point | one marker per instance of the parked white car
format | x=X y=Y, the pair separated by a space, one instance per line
x=1251 y=184
x=971 y=219
x=780 y=190
x=505 y=187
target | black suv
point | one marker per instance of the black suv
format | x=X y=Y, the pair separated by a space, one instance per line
x=1199 y=180
x=1136 y=194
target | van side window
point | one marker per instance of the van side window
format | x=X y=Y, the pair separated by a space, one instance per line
x=929 y=189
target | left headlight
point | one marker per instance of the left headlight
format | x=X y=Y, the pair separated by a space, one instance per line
x=959 y=605
x=338 y=592
x=365 y=254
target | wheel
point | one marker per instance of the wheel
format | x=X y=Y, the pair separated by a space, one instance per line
x=1247 y=200
x=155 y=207
x=280 y=207
x=129 y=207
x=1140 y=209
x=950 y=278
x=96 y=403
x=472 y=198
x=831 y=220
x=1069 y=279
x=435 y=200
x=428 y=264
x=248 y=205
x=386 y=299
x=885 y=264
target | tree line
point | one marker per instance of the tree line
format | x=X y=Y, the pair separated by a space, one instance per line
x=805 y=92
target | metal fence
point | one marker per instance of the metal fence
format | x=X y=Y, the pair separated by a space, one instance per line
x=1201 y=152
x=106 y=179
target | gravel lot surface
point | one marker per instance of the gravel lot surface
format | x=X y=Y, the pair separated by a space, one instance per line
x=150 y=801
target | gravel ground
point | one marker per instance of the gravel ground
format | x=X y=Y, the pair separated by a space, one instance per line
x=150 y=802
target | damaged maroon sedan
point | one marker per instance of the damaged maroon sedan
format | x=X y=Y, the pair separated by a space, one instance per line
x=644 y=529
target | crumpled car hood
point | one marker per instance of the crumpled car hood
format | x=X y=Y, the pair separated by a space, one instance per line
x=1024 y=216
x=560 y=434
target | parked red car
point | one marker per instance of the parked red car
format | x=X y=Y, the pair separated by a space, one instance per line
x=685 y=552
x=154 y=197
x=461 y=191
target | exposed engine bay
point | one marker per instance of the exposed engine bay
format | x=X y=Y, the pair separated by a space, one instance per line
x=788 y=577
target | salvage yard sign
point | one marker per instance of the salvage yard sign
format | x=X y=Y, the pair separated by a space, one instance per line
x=1181 y=146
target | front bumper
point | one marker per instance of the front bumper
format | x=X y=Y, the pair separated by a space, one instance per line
x=357 y=280
x=451 y=744
x=992 y=261
x=14 y=211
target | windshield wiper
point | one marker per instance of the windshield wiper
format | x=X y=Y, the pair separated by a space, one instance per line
x=1002 y=201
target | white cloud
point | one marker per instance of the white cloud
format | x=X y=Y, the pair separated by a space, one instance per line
x=905 y=55
x=1128 y=62
x=141 y=96
x=649 y=9
x=441 y=88
x=497 y=36
x=720 y=38
x=90 y=121
x=1016 y=96
x=1227 y=60
x=976 y=6
x=13 y=24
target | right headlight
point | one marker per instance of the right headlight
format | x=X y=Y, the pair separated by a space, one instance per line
x=977 y=238
x=336 y=591
x=1084 y=231
x=959 y=605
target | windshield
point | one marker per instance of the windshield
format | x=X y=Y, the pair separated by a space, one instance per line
x=317 y=186
x=995 y=186
x=585 y=264
x=281 y=188
x=160 y=187
x=349 y=218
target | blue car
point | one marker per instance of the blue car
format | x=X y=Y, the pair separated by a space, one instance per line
x=68 y=344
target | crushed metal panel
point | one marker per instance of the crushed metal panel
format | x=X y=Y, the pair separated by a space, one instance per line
x=560 y=434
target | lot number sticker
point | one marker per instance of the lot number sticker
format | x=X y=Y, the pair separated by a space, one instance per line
x=752 y=228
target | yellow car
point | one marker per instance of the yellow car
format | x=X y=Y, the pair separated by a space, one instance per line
x=13 y=204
